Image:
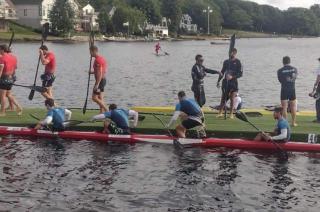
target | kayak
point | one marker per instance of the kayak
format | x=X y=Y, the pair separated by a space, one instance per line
x=169 y=109
x=161 y=139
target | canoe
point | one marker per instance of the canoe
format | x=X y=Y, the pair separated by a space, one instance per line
x=170 y=109
x=161 y=139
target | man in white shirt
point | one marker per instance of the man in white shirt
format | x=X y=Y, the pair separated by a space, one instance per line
x=316 y=93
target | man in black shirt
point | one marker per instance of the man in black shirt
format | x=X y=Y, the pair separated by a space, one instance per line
x=231 y=71
x=287 y=76
x=198 y=73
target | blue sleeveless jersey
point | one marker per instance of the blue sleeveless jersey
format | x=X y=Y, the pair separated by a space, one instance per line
x=283 y=124
x=58 y=117
x=189 y=107
x=119 y=117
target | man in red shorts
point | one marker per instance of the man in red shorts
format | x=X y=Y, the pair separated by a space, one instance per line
x=8 y=65
x=99 y=71
x=48 y=59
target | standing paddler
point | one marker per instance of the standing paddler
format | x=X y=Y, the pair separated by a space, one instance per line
x=99 y=70
x=287 y=76
x=157 y=48
x=190 y=113
x=8 y=66
x=48 y=59
x=198 y=73
x=231 y=72
x=316 y=94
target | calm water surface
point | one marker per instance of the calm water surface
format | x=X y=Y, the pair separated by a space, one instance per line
x=137 y=77
x=58 y=175
x=87 y=176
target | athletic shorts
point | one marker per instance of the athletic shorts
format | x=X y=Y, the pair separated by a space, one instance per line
x=190 y=123
x=47 y=80
x=114 y=129
x=229 y=87
x=101 y=86
x=6 y=84
x=288 y=94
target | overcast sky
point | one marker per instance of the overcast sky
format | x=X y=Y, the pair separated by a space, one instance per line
x=285 y=4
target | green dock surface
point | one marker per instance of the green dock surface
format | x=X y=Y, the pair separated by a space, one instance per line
x=218 y=127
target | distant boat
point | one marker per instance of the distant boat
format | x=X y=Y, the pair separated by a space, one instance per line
x=219 y=43
x=289 y=38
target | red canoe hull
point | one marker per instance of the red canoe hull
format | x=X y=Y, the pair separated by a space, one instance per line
x=135 y=138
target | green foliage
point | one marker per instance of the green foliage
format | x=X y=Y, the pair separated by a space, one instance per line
x=125 y=14
x=62 y=17
x=172 y=10
x=151 y=8
x=105 y=24
x=237 y=14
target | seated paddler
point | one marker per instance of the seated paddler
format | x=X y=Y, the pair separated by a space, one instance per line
x=191 y=115
x=281 y=132
x=56 y=119
x=117 y=120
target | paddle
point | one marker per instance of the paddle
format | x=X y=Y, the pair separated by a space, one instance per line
x=240 y=115
x=39 y=89
x=249 y=113
x=11 y=40
x=176 y=143
x=91 y=43
x=45 y=31
x=231 y=47
x=166 y=53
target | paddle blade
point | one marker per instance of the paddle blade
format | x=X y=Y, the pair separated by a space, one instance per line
x=232 y=43
x=31 y=95
x=240 y=115
x=45 y=31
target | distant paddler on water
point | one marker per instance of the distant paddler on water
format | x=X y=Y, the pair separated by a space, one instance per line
x=198 y=73
x=100 y=68
x=190 y=113
x=157 y=48
x=117 y=120
x=56 y=117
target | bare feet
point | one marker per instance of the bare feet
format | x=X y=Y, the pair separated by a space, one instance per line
x=19 y=111
x=294 y=125
x=219 y=115
x=2 y=114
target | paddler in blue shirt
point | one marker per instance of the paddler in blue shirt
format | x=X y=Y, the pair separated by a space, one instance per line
x=281 y=132
x=191 y=114
x=56 y=116
x=118 y=122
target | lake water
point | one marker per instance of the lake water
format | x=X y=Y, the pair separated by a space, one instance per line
x=137 y=77
x=59 y=175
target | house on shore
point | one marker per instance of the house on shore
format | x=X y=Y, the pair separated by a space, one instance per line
x=186 y=24
x=35 y=13
x=88 y=19
x=158 y=30
x=7 y=13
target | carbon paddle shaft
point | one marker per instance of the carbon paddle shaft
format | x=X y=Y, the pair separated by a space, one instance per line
x=45 y=31
x=91 y=43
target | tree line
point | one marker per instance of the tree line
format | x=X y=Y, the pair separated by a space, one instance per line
x=234 y=14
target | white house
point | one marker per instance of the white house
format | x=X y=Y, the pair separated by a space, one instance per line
x=159 y=30
x=186 y=24
x=7 y=12
x=89 y=18
x=34 y=13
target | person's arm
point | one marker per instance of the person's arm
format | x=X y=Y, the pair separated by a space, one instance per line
x=239 y=71
x=283 y=135
x=1 y=68
x=280 y=76
x=67 y=114
x=174 y=118
x=316 y=84
x=44 y=60
x=45 y=122
x=98 y=77
x=99 y=117
x=135 y=116
x=211 y=71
